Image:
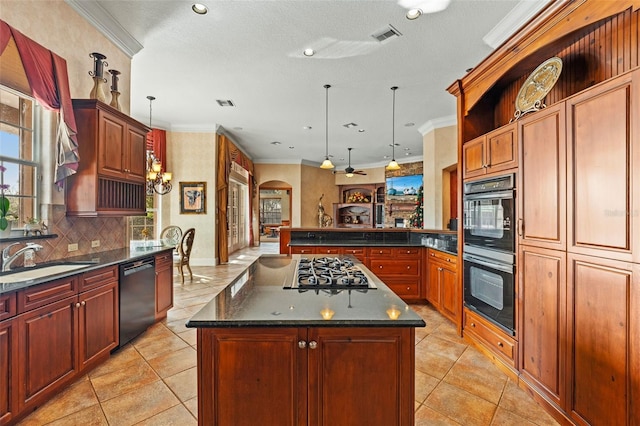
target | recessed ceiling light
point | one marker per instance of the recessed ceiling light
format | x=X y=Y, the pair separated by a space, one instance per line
x=308 y=52
x=237 y=128
x=360 y=130
x=409 y=124
x=413 y=14
x=225 y=102
x=307 y=127
x=276 y=143
x=199 y=8
x=407 y=153
x=350 y=125
x=292 y=147
x=407 y=149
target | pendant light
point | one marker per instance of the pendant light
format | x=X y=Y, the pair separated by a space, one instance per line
x=326 y=164
x=393 y=164
x=158 y=181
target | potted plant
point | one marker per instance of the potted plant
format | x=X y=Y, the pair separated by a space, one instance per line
x=5 y=217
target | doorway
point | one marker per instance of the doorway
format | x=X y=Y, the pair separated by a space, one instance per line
x=275 y=211
x=238 y=215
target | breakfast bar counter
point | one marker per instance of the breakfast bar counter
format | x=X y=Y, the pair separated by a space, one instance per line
x=273 y=352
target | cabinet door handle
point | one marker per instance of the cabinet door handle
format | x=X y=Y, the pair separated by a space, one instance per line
x=77 y=304
x=500 y=344
x=83 y=303
x=408 y=267
x=448 y=260
x=408 y=288
x=473 y=324
x=380 y=266
x=313 y=344
x=439 y=269
x=520 y=226
x=302 y=344
x=432 y=254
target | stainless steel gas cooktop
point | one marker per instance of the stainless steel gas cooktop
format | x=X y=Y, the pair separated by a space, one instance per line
x=330 y=273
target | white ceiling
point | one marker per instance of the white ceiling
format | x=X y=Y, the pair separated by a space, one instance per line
x=250 y=52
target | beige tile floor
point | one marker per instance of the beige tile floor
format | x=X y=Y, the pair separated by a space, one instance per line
x=152 y=380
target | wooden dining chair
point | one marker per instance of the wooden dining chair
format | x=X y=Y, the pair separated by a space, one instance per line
x=181 y=259
x=171 y=236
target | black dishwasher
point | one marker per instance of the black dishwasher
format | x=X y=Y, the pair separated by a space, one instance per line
x=137 y=298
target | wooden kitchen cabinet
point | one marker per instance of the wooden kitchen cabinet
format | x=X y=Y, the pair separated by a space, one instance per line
x=9 y=361
x=494 y=342
x=321 y=376
x=65 y=327
x=604 y=161
x=603 y=335
x=494 y=152
x=164 y=284
x=543 y=319
x=111 y=175
x=542 y=201
x=399 y=268
x=442 y=289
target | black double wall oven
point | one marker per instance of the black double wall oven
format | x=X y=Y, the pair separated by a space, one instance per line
x=489 y=249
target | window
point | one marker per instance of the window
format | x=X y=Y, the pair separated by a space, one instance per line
x=19 y=157
x=270 y=211
x=138 y=224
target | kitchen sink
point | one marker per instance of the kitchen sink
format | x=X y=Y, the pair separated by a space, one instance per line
x=41 y=271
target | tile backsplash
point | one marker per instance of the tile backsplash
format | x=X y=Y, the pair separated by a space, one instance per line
x=111 y=231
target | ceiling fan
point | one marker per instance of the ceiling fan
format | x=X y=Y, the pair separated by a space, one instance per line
x=350 y=171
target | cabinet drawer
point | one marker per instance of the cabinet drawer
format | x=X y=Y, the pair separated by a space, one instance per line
x=382 y=267
x=7 y=305
x=413 y=252
x=356 y=252
x=328 y=250
x=165 y=258
x=404 y=288
x=99 y=277
x=380 y=252
x=40 y=295
x=445 y=257
x=302 y=250
x=496 y=341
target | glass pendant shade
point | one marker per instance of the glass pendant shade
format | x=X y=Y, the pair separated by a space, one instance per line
x=393 y=165
x=327 y=164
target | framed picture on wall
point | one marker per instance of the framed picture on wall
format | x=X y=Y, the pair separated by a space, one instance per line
x=193 y=196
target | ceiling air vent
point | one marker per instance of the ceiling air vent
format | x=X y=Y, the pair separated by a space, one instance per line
x=225 y=102
x=386 y=34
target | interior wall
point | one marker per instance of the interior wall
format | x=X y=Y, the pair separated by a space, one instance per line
x=316 y=182
x=57 y=27
x=440 y=152
x=192 y=158
x=288 y=173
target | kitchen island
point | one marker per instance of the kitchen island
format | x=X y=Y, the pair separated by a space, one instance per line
x=268 y=354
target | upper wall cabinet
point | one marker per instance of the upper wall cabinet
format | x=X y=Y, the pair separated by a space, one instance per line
x=111 y=175
x=603 y=146
x=496 y=151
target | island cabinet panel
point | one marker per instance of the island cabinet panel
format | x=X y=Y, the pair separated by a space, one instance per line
x=399 y=268
x=603 y=332
x=492 y=153
x=251 y=376
x=303 y=250
x=542 y=206
x=329 y=250
x=360 y=376
x=542 y=301
x=164 y=284
x=8 y=305
x=8 y=370
x=357 y=252
x=48 y=350
x=604 y=162
x=305 y=376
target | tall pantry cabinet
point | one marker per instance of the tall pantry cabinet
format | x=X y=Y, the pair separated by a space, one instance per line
x=579 y=288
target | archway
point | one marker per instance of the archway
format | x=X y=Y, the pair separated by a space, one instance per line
x=274 y=209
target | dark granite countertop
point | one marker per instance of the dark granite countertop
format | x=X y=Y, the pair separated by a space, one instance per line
x=257 y=299
x=93 y=261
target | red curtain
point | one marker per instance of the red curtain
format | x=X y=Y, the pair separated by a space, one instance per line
x=49 y=82
x=157 y=142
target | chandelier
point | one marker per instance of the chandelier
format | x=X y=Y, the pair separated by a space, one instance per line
x=158 y=181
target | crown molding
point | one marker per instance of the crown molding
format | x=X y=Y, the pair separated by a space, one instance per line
x=102 y=20
x=437 y=123
x=514 y=20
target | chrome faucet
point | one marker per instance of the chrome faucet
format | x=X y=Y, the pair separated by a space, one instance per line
x=7 y=259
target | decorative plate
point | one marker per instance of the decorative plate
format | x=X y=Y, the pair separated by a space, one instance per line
x=536 y=87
